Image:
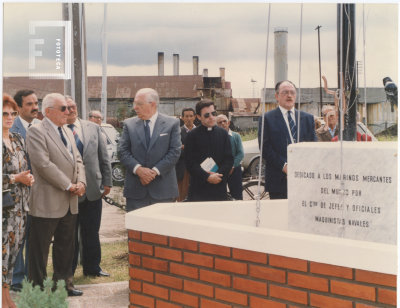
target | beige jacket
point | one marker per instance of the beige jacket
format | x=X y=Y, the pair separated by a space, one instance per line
x=53 y=169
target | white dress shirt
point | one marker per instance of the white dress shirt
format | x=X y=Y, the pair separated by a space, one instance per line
x=78 y=129
x=285 y=117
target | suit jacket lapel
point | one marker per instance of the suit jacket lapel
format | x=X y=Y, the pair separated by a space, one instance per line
x=140 y=132
x=301 y=123
x=55 y=136
x=282 y=124
x=19 y=128
x=158 y=127
x=86 y=135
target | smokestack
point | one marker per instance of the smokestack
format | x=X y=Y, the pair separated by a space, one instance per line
x=160 y=64
x=222 y=75
x=280 y=54
x=195 y=65
x=205 y=72
x=176 y=65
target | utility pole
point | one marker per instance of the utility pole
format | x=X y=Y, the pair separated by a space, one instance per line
x=65 y=15
x=80 y=83
x=104 y=67
x=320 y=83
x=254 y=87
x=346 y=46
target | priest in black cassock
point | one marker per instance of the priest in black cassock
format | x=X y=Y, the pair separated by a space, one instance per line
x=208 y=140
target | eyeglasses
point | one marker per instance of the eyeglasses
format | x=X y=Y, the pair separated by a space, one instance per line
x=207 y=115
x=62 y=108
x=96 y=117
x=72 y=107
x=284 y=93
x=13 y=114
x=222 y=121
x=140 y=104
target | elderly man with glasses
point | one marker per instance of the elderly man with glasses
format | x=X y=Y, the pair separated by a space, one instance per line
x=280 y=130
x=204 y=142
x=59 y=181
x=330 y=129
x=149 y=148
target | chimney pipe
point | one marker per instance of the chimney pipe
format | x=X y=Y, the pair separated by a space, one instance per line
x=195 y=65
x=205 y=72
x=280 y=54
x=176 y=65
x=160 y=64
x=222 y=75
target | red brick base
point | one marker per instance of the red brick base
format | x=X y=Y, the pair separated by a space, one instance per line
x=168 y=272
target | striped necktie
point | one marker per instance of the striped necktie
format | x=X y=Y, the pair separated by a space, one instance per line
x=292 y=126
x=78 y=141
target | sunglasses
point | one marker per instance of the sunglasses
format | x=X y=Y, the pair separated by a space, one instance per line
x=13 y=114
x=207 y=115
x=96 y=117
x=63 y=108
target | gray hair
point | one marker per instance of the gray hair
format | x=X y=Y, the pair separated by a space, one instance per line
x=91 y=113
x=327 y=107
x=68 y=97
x=222 y=116
x=49 y=101
x=151 y=95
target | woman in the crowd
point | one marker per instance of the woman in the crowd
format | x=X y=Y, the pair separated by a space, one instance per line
x=16 y=178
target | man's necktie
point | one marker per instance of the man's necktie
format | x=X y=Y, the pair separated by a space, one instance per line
x=62 y=136
x=78 y=141
x=292 y=126
x=30 y=124
x=147 y=132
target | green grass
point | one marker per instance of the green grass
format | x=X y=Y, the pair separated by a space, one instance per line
x=249 y=135
x=114 y=260
x=387 y=138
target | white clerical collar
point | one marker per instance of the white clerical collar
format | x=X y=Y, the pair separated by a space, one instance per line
x=209 y=128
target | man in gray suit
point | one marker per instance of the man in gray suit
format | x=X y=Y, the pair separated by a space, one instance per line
x=90 y=143
x=149 y=148
x=53 y=204
x=28 y=111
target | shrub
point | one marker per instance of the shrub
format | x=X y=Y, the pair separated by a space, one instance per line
x=31 y=297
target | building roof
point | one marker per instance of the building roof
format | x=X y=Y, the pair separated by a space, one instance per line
x=117 y=87
x=312 y=95
x=244 y=104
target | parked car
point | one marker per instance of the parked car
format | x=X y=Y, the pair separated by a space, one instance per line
x=113 y=135
x=251 y=158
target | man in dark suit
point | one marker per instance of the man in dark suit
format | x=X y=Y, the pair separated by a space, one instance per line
x=280 y=130
x=149 y=148
x=90 y=143
x=188 y=116
x=28 y=109
x=208 y=140
x=53 y=204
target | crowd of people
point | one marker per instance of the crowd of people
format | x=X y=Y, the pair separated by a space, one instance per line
x=58 y=170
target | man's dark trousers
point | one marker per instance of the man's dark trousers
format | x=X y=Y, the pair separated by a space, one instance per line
x=235 y=183
x=89 y=219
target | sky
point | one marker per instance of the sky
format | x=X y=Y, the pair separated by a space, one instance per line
x=233 y=36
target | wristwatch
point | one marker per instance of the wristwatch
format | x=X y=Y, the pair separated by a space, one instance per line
x=12 y=178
